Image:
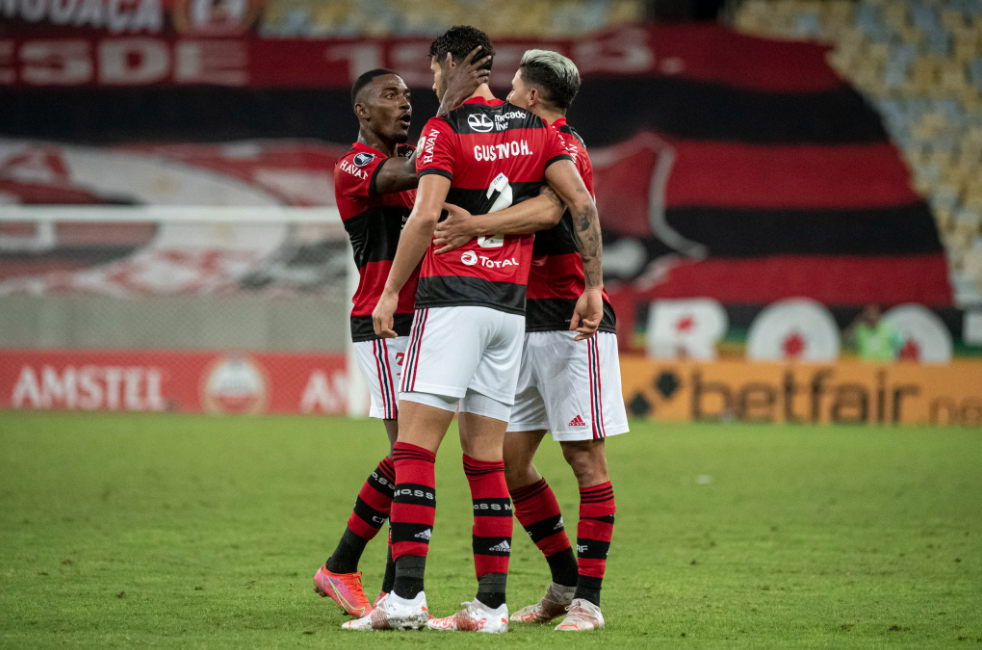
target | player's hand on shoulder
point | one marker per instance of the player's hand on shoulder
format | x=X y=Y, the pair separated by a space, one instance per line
x=588 y=313
x=457 y=229
x=383 y=316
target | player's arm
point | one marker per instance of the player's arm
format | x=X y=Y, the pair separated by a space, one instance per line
x=413 y=242
x=396 y=174
x=566 y=181
x=533 y=215
x=568 y=184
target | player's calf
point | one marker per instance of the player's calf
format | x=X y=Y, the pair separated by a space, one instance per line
x=538 y=513
x=492 y=529
x=371 y=510
x=593 y=536
x=413 y=514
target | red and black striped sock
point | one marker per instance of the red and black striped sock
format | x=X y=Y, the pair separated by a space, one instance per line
x=492 y=527
x=371 y=510
x=538 y=513
x=413 y=513
x=593 y=535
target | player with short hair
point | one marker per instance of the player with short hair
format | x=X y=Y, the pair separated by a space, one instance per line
x=374 y=185
x=465 y=345
x=569 y=387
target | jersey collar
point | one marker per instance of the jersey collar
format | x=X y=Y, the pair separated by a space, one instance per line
x=484 y=102
x=361 y=147
x=560 y=121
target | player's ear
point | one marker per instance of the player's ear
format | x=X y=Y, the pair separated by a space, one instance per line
x=450 y=65
x=534 y=98
x=361 y=111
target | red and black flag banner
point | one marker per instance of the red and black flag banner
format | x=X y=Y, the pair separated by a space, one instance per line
x=727 y=166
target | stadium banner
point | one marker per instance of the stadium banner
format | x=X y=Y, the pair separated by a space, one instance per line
x=750 y=175
x=149 y=56
x=807 y=197
x=847 y=392
x=173 y=381
x=200 y=18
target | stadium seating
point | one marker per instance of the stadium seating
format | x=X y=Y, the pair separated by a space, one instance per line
x=412 y=17
x=920 y=63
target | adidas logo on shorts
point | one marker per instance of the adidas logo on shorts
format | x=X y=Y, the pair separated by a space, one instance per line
x=503 y=547
x=577 y=422
x=559 y=524
x=426 y=534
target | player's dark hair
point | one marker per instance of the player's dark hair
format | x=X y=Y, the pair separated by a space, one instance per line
x=364 y=79
x=459 y=40
x=553 y=74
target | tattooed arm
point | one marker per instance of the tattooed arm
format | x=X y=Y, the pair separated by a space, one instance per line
x=566 y=182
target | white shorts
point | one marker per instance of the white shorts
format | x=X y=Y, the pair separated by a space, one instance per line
x=381 y=363
x=471 y=402
x=456 y=349
x=570 y=388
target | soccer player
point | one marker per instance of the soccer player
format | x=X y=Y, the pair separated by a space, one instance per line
x=374 y=188
x=465 y=344
x=569 y=387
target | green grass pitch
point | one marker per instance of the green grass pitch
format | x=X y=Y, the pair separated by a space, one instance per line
x=122 y=531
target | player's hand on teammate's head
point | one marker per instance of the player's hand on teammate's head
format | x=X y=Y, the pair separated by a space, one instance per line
x=587 y=314
x=461 y=80
x=383 y=318
x=457 y=229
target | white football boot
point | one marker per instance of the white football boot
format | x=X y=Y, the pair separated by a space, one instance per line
x=475 y=617
x=393 y=613
x=581 y=616
x=553 y=604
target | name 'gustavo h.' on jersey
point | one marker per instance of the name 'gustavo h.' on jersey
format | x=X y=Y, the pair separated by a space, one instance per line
x=495 y=155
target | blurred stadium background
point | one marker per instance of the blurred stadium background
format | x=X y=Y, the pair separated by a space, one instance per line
x=791 y=197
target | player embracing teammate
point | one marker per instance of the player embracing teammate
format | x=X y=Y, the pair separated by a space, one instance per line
x=569 y=387
x=465 y=346
x=374 y=186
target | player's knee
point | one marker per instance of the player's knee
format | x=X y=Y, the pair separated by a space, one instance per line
x=587 y=462
x=519 y=472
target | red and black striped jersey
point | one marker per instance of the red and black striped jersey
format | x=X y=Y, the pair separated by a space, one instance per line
x=495 y=155
x=556 y=279
x=373 y=222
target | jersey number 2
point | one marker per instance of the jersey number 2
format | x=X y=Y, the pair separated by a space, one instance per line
x=502 y=188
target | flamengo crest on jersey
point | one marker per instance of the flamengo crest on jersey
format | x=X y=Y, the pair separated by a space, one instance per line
x=373 y=222
x=495 y=155
x=556 y=279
